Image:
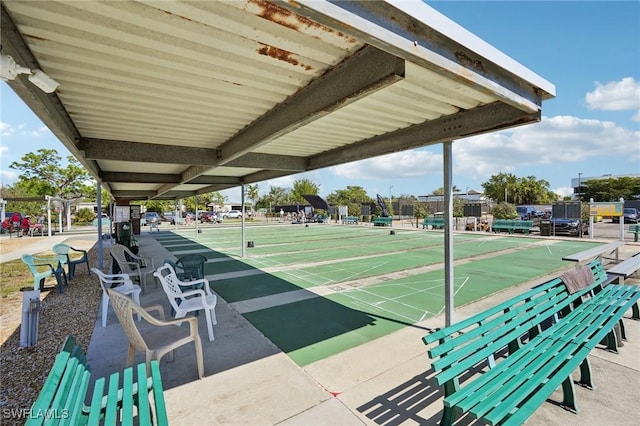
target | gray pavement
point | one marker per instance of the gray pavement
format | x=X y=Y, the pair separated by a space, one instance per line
x=388 y=381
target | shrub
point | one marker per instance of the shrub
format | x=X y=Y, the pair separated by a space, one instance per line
x=505 y=211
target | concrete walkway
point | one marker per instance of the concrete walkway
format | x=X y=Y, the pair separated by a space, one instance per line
x=388 y=381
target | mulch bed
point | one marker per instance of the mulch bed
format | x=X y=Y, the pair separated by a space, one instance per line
x=24 y=370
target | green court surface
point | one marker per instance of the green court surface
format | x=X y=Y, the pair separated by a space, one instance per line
x=360 y=283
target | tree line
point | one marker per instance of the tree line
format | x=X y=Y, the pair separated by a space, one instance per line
x=42 y=173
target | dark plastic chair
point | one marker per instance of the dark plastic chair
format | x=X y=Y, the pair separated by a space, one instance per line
x=192 y=266
x=63 y=252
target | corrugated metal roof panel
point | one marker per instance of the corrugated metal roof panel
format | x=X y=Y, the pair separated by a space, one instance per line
x=221 y=80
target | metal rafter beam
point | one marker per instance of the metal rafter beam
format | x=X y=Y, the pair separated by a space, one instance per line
x=365 y=72
x=270 y=161
x=47 y=107
x=431 y=45
x=476 y=121
x=107 y=149
x=121 y=177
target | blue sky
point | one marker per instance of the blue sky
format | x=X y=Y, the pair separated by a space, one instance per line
x=589 y=50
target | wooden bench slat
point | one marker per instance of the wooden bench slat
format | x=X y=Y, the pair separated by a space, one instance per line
x=111 y=412
x=127 y=398
x=95 y=412
x=144 y=413
x=158 y=394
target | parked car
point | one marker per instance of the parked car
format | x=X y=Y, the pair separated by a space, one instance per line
x=151 y=217
x=168 y=216
x=208 y=217
x=629 y=214
x=232 y=214
x=571 y=227
x=527 y=212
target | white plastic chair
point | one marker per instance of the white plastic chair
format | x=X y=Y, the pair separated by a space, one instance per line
x=127 y=287
x=156 y=341
x=133 y=265
x=192 y=300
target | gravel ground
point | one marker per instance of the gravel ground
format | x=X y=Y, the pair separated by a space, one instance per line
x=24 y=371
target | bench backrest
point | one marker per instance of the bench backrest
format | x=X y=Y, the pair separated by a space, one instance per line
x=458 y=348
x=64 y=391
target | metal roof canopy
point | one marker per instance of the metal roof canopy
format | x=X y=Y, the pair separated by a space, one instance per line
x=168 y=99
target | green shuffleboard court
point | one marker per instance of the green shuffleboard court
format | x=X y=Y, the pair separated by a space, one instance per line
x=316 y=291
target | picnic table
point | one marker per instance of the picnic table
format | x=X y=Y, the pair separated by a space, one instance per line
x=601 y=252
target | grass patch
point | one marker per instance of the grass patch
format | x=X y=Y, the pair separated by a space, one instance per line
x=15 y=275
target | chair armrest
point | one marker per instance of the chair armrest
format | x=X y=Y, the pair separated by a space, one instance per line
x=78 y=250
x=45 y=264
x=194 y=292
x=204 y=282
x=158 y=308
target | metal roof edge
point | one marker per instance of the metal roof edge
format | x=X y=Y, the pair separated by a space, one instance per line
x=459 y=34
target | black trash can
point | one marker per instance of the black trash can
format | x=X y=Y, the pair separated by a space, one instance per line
x=545 y=228
x=123 y=233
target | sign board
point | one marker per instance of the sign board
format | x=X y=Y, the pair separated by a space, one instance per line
x=407 y=210
x=123 y=214
x=567 y=209
x=605 y=209
x=365 y=210
x=472 y=210
x=343 y=210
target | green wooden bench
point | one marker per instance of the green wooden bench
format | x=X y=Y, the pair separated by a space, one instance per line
x=500 y=365
x=512 y=226
x=434 y=222
x=62 y=398
x=383 y=221
x=635 y=230
x=350 y=220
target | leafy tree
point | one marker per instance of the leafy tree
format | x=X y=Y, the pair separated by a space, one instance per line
x=41 y=173
x=440 y=191
x=505 y=211
x=85 y=215
x=352 y=197
x=218 y=199
x=277 y=195
x=303 y=187
x=611 y=189
x=505 y=187
x=253 y=194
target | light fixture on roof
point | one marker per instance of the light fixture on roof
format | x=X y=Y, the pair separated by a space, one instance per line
x=9 y=70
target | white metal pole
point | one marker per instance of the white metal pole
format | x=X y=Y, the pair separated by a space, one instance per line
x=196 y=218
x=99 y=200
x=244 y=249
x=49 y=215
x=622 y=220
x=448 y=234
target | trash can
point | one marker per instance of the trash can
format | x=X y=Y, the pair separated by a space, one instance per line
x=30 y=318
x=545 y=228
x=123 y=233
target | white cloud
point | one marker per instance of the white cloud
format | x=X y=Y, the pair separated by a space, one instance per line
x=6 y=129
x=7 y=177
x=23 y=130
x=623 y=95
x=399 y=165
x=564 y=191
x=555 y=140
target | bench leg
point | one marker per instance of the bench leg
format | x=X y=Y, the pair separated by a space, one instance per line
x=448 y=416
x=636 y=312
x=585 y=375
x=568 y=395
